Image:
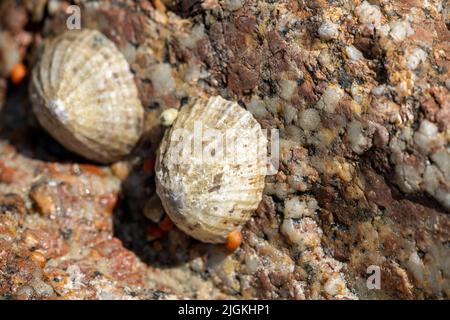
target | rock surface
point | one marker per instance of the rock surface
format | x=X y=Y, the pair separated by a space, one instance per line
x=359 y=91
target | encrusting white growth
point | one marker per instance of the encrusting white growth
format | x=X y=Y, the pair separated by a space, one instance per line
x=211 y=167
x=369 y=14
x=400 y=30
x=353 y=53
x=416 y=57
x=328 y=31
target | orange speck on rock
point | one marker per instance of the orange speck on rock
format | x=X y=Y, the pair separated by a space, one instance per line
x=120 y=169
x=95 y=170
x=95 y=254
x=166 y=224
x=159 y=5
x=234 y=240
x=39 y=258
x=6 y=173
x=149 y=165
x=18 y=73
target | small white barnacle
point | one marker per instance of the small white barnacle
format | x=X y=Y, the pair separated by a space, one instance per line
x=210 y=169
x=168 y=117
x=84 y=95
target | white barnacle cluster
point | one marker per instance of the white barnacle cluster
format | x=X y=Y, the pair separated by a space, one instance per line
x=304 y=234
x=369 y=14
x=399 y=30
x=415 y=175
x=415 y=58
x=298 y=225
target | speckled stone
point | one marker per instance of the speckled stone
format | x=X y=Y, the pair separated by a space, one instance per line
x=364 y=137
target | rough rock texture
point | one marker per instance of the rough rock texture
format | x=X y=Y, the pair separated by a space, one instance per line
x=360 y=93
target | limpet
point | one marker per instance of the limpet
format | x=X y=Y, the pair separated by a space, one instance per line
x=211 y=167
x=83 y=93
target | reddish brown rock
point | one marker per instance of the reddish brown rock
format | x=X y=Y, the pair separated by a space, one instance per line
x=363 y=177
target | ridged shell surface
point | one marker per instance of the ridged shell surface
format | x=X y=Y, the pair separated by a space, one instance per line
x=84 y=95
x=211 y=167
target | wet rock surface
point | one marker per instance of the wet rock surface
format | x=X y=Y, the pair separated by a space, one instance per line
x=360 y=94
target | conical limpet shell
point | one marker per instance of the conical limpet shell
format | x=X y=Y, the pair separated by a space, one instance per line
x=210 y=182
x=84 y=95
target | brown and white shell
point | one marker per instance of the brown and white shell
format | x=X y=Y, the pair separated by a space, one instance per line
x=211 y=167
x=84 y=95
